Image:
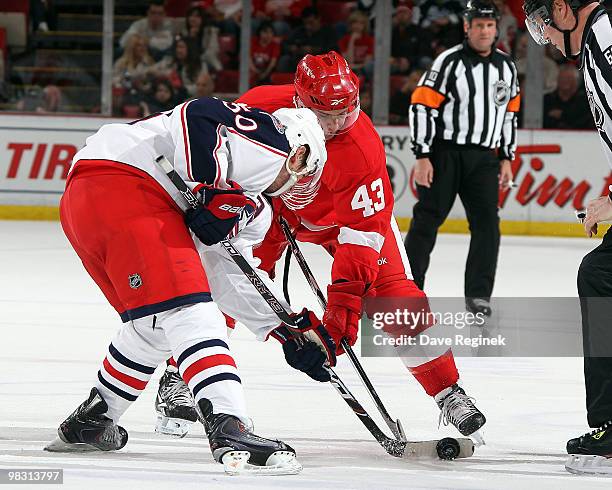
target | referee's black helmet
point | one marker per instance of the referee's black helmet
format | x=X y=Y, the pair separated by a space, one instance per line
x=539 y=14
x=481 y=9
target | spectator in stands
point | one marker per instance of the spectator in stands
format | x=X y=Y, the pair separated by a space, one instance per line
x=567 y=107
x=551 y=69
x=399 y=102
x=443 y=18
x=365 y=100
x=43 y=15
x=282 y=13
x=182 y=68
x=410 y=43
x=506 y=26
x=227 y=14
x=265 y=51
x=156 y=27
x=357 y=45
x=205 y=85
x=162 y=98
x=130 y=71
x=310 y=38
x=41 y=100
x=203 y=34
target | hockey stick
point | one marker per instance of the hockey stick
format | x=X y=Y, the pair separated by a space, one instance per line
x=395 y=426
x=447 y=448
x=390 y=445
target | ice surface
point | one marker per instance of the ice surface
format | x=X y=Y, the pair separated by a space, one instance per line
x=55 y=327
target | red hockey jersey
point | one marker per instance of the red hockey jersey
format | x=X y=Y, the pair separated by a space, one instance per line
x=355 y=200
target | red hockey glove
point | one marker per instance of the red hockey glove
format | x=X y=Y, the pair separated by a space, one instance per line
x=341 y=318
x=219 y=213
x=311 y=349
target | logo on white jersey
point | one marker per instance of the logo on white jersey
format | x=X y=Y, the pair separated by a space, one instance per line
x=298 y=197
x=231 y=209
x=337 y=101
x=135 y=281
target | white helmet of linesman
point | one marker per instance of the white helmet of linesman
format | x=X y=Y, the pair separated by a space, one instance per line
x=302 y=129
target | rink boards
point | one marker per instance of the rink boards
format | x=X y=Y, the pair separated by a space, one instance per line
x=555 y=173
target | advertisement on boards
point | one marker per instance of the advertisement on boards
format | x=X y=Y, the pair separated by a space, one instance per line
x=555 y=172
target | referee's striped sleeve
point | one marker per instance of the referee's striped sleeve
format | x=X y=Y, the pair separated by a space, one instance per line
x=508 y=140
x=425 y=103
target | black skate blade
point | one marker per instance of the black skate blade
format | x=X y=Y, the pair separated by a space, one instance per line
x=589 y=464
x=60 y=446
x=429 y=449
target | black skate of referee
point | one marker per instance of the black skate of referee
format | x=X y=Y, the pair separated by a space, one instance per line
x=582 y=30
x=463 y=120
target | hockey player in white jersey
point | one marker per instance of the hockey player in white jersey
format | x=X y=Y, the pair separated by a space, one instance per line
x=131 y=229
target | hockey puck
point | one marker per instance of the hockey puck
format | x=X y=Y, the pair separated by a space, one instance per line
x=448 y=448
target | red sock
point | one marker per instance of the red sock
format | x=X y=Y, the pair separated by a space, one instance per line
x=438 y=374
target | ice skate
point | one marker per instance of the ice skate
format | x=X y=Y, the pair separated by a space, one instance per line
x=88 y=429
x=458 y=409
x=591 y=453
x=175 y=407
x=240 y=451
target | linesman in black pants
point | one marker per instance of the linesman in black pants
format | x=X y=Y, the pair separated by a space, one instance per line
x=582 y=31
x=463 y=125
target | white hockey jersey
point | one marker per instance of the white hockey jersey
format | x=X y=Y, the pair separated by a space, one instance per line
x=210 y=141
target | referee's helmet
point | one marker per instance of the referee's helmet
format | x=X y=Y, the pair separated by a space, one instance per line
x=481 y=9
x=539 y=15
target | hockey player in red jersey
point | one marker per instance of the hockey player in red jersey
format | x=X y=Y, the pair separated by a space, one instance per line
x=350 y=214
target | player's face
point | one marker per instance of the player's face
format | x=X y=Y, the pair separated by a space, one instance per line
x=331 y=121
x=481 y=34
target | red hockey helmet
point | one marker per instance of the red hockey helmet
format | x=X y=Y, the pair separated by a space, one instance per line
x=326 y=85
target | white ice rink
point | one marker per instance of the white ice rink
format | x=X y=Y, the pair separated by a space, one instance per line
x=55 y=327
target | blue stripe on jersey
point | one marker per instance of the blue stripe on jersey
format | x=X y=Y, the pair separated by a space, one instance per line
x=146 y=310
x=214 y=379
x=203 y=116
x=119 y=357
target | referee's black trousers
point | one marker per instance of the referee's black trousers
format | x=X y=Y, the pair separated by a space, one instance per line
x=595 y=291
x=473 y=174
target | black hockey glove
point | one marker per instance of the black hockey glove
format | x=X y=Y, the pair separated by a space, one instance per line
x=311 y=349
x=219 y=213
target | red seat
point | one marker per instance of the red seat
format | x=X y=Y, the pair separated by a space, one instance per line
x=131 y=111
x=15 y=6
x=333 y=12
x=177 y=8
x=227 y=81
x=227 y=50
x=227 y=43
x=396 y=82
x=279 y=78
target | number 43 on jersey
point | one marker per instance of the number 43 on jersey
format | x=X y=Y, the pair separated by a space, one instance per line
x=362 y=199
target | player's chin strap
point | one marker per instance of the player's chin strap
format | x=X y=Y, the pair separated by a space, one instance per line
x=394 y=425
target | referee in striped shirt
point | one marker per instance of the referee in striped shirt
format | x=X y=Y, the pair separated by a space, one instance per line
x=463 y=125
x=582 y=31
